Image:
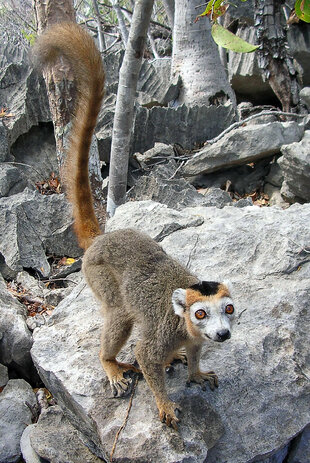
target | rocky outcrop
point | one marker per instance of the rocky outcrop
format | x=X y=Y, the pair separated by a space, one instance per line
x=33 y=225
x=23 y=91
x=55 y=440
x=15 y=338
x=261 y=404
x=187 y=126
x=15 y=416
x=12 y=180
x=295 y=168
x=243 y=145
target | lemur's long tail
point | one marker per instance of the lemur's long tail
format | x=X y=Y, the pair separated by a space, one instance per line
x=76 y=45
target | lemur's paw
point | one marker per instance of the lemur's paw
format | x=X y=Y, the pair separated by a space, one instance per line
x=168 y=412
x=120 y=377
x=201 y=377
x=178 y=355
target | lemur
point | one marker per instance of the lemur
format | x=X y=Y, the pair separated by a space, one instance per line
x=128 y=272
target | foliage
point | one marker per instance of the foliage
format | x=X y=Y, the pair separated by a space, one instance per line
x=223 y=37
x=29 y=36
x=302 y=9
x=227 y=39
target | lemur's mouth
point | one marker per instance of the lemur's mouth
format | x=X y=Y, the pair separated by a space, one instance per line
x=208 y=337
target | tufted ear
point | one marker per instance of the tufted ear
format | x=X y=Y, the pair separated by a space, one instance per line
x=179 y=301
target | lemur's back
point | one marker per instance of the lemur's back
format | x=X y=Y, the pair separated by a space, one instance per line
x=135 y=265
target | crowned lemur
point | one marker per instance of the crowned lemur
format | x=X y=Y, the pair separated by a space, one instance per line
x=131 y=275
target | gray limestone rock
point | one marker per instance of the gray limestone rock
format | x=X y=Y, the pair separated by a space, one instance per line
x=54 y=439
x=300 y=449
x=243 y=70
x=12 y=180
x=33 y=225
x=15 y=338
x=160 y=151
x=262 y=401
x=176 y=193
x=305 y=96
x=15 y=416
x=295 y=167
x=4 y=377
x=298 y=37
x=35 y=153
x=243 y=145
x=4 y=143
x=29 y=455
x=23 y=90
x=187 y=126
x=216 y=197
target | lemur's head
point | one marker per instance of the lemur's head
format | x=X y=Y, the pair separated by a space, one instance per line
x=207 y=308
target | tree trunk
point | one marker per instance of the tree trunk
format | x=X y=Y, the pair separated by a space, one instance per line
x=196 y=59
x=61 y=90
x=273 y=58
x=124 y=111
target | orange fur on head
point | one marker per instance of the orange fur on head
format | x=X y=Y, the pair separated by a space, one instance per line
x=192 y=295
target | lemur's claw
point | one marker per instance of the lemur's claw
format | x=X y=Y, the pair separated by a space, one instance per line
x=201 y=377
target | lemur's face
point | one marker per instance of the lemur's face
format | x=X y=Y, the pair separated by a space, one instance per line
x=207 y=308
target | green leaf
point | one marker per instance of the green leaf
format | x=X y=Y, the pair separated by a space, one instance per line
x=302 y=8
x=227 y=39
x=215 y=4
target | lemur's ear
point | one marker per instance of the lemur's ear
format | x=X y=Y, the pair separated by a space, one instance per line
x=179 y=301
x=228 y=285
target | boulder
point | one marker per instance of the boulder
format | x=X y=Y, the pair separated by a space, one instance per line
x=243 y=145
x=55 y=440
x=160 y=151
x=4 y=143
x=4 y=377
x=295 y=168
x=23 y=90
x=12 y=180
x=15 y=338
x=298 y=37
x=175 y=193
x=187 y=126
x=15 y=416
x=300 y=450
x=243 y=70
x=305 y=96
x=262 y=400
x=35 y=153
x=243 y=179
x=31 y=227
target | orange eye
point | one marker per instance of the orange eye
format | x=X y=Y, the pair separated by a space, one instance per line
x=200 y=314
x=229 y=309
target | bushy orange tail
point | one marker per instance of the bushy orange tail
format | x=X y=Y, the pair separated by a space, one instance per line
x=76 y=45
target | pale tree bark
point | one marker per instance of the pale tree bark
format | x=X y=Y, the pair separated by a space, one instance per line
x=124 y=111
x=196 y=59
x=121 y=21
x=99 y=27
x=61 y=91
x=274 y=59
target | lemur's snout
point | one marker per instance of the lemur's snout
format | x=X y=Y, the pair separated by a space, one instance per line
x=223 y=335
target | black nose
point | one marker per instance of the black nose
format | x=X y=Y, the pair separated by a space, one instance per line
x=223 y=335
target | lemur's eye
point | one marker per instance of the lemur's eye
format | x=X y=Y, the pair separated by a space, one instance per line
x=229 y=309
x=200 y=314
